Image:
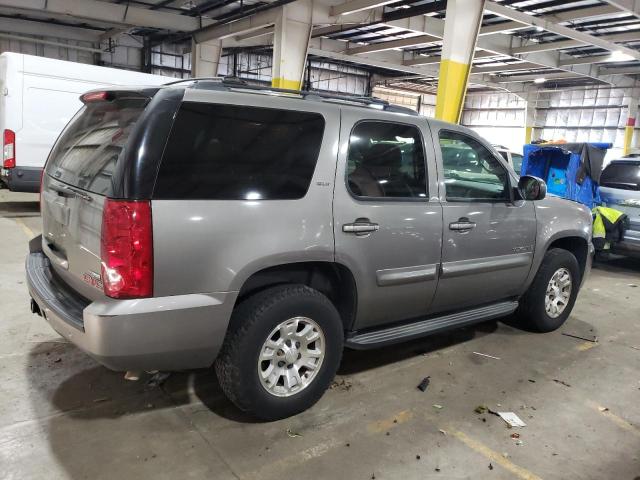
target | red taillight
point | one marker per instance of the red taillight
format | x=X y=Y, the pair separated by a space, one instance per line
x=9 y=149
x=127 y=249
x=95 y=97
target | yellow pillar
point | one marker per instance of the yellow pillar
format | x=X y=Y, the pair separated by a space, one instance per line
x=630 y=127
x=291 y=35
x=529 y=116
x=462 y=23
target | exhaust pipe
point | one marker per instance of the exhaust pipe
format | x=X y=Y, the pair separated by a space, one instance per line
x=35 y=308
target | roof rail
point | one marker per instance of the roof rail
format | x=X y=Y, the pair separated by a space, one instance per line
x=228 y=83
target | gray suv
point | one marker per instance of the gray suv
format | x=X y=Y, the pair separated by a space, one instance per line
x=260 y=230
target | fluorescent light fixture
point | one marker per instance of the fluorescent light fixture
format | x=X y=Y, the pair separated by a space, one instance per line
x=618 y=56
x=540 y=80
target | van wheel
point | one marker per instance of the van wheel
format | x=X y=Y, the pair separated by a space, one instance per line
x=550 y=298
x=281 y=352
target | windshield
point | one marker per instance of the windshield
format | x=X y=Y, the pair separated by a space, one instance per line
x=517 y=162
x=86 y=154
x=622 y=175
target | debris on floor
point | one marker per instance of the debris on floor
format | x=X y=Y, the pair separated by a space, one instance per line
x=480 y=409
x=490 y=467
x=437 y=407
x=515 y=435
x=512 y=419
x=101 y=399
x=292 y=434
x=519 y=443
x=581 y=330
x=485 y=355
x=561 y=382
x=158 y=379
x=444 y=432
x=424 y=384
x=603 y=409
x=342 y=384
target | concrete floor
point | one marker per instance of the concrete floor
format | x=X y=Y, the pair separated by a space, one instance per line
x=64 y=416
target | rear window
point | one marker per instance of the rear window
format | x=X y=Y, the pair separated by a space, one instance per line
x=625 y=176
x=226 y=152
x=86 y=154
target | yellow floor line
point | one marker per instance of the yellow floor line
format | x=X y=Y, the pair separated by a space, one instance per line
x=25 y=229
x=495 y=457
x=388 y=423
x=586 y=346
x=619 y=421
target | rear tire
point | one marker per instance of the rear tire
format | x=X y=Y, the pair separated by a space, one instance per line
x=281 y=352
x=549 y=300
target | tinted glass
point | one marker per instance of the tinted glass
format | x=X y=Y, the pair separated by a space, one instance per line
x=625 y=176
x=87 y=153
x=226 y=152
x=517 y=162
x=471 y=171
x=386 y=160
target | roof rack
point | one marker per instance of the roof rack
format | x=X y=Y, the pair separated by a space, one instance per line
x=228 y=83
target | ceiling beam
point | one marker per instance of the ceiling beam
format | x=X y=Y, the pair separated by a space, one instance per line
x=585 y=60
x=620 y=70
x=612 y=37
x=353 y=6
x=108 y=12
x=582 y=37
x=393 y=44
x=627 y=6
x=561 y=17
x=505 y=68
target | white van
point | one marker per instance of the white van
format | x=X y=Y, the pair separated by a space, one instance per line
x=38 y=97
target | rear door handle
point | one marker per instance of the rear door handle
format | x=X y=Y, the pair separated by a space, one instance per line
x=360 y=227
x=462 y=225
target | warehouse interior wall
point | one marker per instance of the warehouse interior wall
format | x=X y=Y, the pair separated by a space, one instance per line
x=593 y=114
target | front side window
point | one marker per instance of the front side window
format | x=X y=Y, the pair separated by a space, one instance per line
x=386 y=160
x=471 y=171
x=230 y=152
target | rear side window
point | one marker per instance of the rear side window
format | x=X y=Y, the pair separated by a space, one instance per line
x=386 y=160
x=86 y=154
x=227 y=152
x=625 y=176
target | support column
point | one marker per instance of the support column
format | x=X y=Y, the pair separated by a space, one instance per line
x=530 y=117
x=290 y=43
x=205 y=58
x=462 y=23
x=630 y=126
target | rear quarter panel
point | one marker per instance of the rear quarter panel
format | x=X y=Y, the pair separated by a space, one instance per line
x=203 y=246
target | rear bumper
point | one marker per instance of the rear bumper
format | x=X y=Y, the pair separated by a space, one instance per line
x=22 y=179
x=163 y=333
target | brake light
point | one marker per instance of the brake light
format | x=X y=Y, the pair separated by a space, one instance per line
x=127 y=249
x=9 y=150
x=95 y=97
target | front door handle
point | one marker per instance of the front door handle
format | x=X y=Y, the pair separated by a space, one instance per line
x=360 y=227
x=462 y=225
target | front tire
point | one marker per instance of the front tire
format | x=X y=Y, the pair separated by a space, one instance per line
x=281 y=352
x=550 y=298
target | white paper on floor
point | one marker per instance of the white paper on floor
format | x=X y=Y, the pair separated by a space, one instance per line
x=512 y=419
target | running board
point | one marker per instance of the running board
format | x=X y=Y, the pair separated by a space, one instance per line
x=421 y=328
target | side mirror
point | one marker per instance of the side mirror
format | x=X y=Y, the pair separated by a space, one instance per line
x=532 y=188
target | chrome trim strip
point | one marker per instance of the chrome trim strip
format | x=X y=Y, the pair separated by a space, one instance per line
x=482 y=265
x=404 y=275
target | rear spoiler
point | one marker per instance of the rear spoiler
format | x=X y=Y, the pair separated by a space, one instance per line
x=102 y=95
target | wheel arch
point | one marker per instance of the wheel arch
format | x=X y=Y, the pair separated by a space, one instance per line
x=577 y=245
x=332 y=279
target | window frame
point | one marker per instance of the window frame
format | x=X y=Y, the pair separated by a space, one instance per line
x=387 y=199
x=240 y=105
x=498 y=158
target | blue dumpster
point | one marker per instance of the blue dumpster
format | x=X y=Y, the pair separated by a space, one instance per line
x=571 y=170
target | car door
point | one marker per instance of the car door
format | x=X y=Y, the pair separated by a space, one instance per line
x=488 y=239
x=388 y=228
